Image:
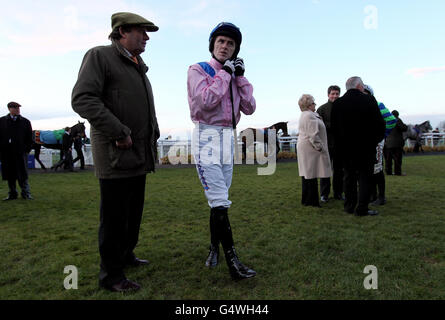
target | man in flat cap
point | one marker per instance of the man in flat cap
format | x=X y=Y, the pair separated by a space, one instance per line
x=15 y=144
x=114 y=94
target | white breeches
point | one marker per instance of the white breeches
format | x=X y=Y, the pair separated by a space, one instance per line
x=213 y=153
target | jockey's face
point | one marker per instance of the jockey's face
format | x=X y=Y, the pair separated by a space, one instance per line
x=224 y=48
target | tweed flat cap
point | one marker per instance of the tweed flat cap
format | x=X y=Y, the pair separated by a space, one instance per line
x=127 y=18
x=13 y=104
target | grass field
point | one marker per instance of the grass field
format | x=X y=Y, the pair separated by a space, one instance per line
x=298 y=252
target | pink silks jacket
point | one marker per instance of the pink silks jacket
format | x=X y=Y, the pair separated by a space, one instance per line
x=209 y=97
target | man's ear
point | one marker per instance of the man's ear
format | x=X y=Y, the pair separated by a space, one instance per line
x=122 y=33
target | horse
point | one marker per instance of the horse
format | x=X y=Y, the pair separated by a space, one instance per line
x=414 y=132
x=277 y=126
x=53 y=139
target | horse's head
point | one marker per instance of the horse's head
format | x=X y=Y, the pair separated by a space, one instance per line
x=424 y=127
x=78 y=128
x=280 y=126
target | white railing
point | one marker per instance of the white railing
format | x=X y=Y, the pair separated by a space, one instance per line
x=433 y=139
x=286 y=143
x=50 y=156
x=184 y=146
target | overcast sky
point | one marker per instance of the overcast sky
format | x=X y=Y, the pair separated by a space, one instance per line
x=289 y=47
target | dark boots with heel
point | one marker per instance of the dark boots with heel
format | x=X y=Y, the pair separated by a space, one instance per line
x=213 y=257
x=221 y=232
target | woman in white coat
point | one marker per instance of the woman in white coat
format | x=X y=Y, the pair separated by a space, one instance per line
x=312 y=151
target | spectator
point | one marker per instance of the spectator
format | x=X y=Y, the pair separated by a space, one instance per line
x=378 y=179
x=337 y=179
x=394 y=147
x=312 y=151
x=114 y=94
x=15 y=144
x=358 y=127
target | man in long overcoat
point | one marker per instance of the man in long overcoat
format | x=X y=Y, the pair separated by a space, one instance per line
x=114 y=94
x=358 y=127
x=15 y=144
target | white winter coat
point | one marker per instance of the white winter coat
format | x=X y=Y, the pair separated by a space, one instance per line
x=312 y=147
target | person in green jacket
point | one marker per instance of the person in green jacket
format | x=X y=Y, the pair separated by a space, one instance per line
x=394 y=147
x=114 y=94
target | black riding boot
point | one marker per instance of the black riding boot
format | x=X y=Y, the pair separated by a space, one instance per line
x=213 y=257
x=236 y=268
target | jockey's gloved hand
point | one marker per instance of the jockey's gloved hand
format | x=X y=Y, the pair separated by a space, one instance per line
x=229 y=67
x=239 y=67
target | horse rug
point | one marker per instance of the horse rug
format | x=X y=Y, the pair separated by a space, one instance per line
x=49 y=137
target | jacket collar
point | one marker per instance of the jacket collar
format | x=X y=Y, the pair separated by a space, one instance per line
x=215 y=64
x=314 y=113
x=10 y=117
x=354 y=91
x=124 y=52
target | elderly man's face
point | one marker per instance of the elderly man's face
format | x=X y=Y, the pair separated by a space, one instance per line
x=14 y=111
x=333 y=95
x=224 y=48
x=135 y=40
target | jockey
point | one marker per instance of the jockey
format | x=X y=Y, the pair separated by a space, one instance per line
x=217 y=94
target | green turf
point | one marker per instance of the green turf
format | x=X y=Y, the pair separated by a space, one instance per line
x=298 y=252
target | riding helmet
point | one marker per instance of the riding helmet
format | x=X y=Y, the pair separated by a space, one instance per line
x=229 y=30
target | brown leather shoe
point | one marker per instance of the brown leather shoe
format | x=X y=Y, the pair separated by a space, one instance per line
x=138 y=262
x=124 y=285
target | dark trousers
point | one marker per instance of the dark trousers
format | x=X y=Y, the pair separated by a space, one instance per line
x=377 y=186
x=121 y=206
x=357 y=174
x=66 y=161
x=309 y=195
x=396 y=155
x=337 y=178
x=17 y=172
x=80 y=157
x=24 y=185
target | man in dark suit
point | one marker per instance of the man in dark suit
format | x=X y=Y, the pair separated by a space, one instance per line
x=15 y=144
x=358 y=127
